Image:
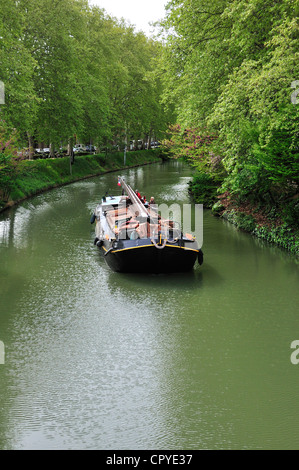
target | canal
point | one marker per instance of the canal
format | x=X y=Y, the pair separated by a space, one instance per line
x=101 y=360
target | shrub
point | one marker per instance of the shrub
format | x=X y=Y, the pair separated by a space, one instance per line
x=203 y=189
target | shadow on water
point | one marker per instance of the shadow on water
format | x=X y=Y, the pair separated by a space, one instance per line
x=178 y=281
x=195 y=279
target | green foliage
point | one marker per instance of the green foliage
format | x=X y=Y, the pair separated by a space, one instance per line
x=71 y=72
x=7 y=173
x=16 y=68
x=8 y=139
x=39 y=175
x=257 y=123
x=283 y=236
x=291 y=213
x=228 y=68
x=195 y=146
x=241 y=220
x=204 y=189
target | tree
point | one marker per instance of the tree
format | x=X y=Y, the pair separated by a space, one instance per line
x=74 y=73
x=16 y=70
x=8 y=150
x=228 y=67
x=96 y=58
x=257 y=123
x=52 y=36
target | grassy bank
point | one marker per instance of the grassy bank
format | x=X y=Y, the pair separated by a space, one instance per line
x=259 y=222
x=28 y=178
x=272 y=224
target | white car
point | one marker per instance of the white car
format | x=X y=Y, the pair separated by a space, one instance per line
x=80 y=148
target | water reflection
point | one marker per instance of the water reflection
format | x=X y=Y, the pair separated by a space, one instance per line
x=149 y=282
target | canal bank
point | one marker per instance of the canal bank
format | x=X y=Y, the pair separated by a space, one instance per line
x=28 y=178
x=248 y=218
x=270 y=223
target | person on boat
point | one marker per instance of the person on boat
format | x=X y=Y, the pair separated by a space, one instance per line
x=152 y=200
x=134 y=235
x=138 y=194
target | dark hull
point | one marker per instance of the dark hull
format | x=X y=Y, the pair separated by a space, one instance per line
x=146 y=258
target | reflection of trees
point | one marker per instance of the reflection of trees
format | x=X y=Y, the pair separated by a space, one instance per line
x=11 y=227
x=7 y=229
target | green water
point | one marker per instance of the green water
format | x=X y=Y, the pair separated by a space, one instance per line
x=101 y=360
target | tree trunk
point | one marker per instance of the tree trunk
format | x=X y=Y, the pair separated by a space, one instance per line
x=52 y=151
x=70 y=150
x=30 y=145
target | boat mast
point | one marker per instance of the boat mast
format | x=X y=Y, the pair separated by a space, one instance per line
x=134 y=198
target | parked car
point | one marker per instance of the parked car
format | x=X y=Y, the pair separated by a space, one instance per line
x=90 y=148
x=41 y=152
x=24 y=152
x=80 y=148
x=155 y=145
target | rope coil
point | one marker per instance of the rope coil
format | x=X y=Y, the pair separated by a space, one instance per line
x=159 y=247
